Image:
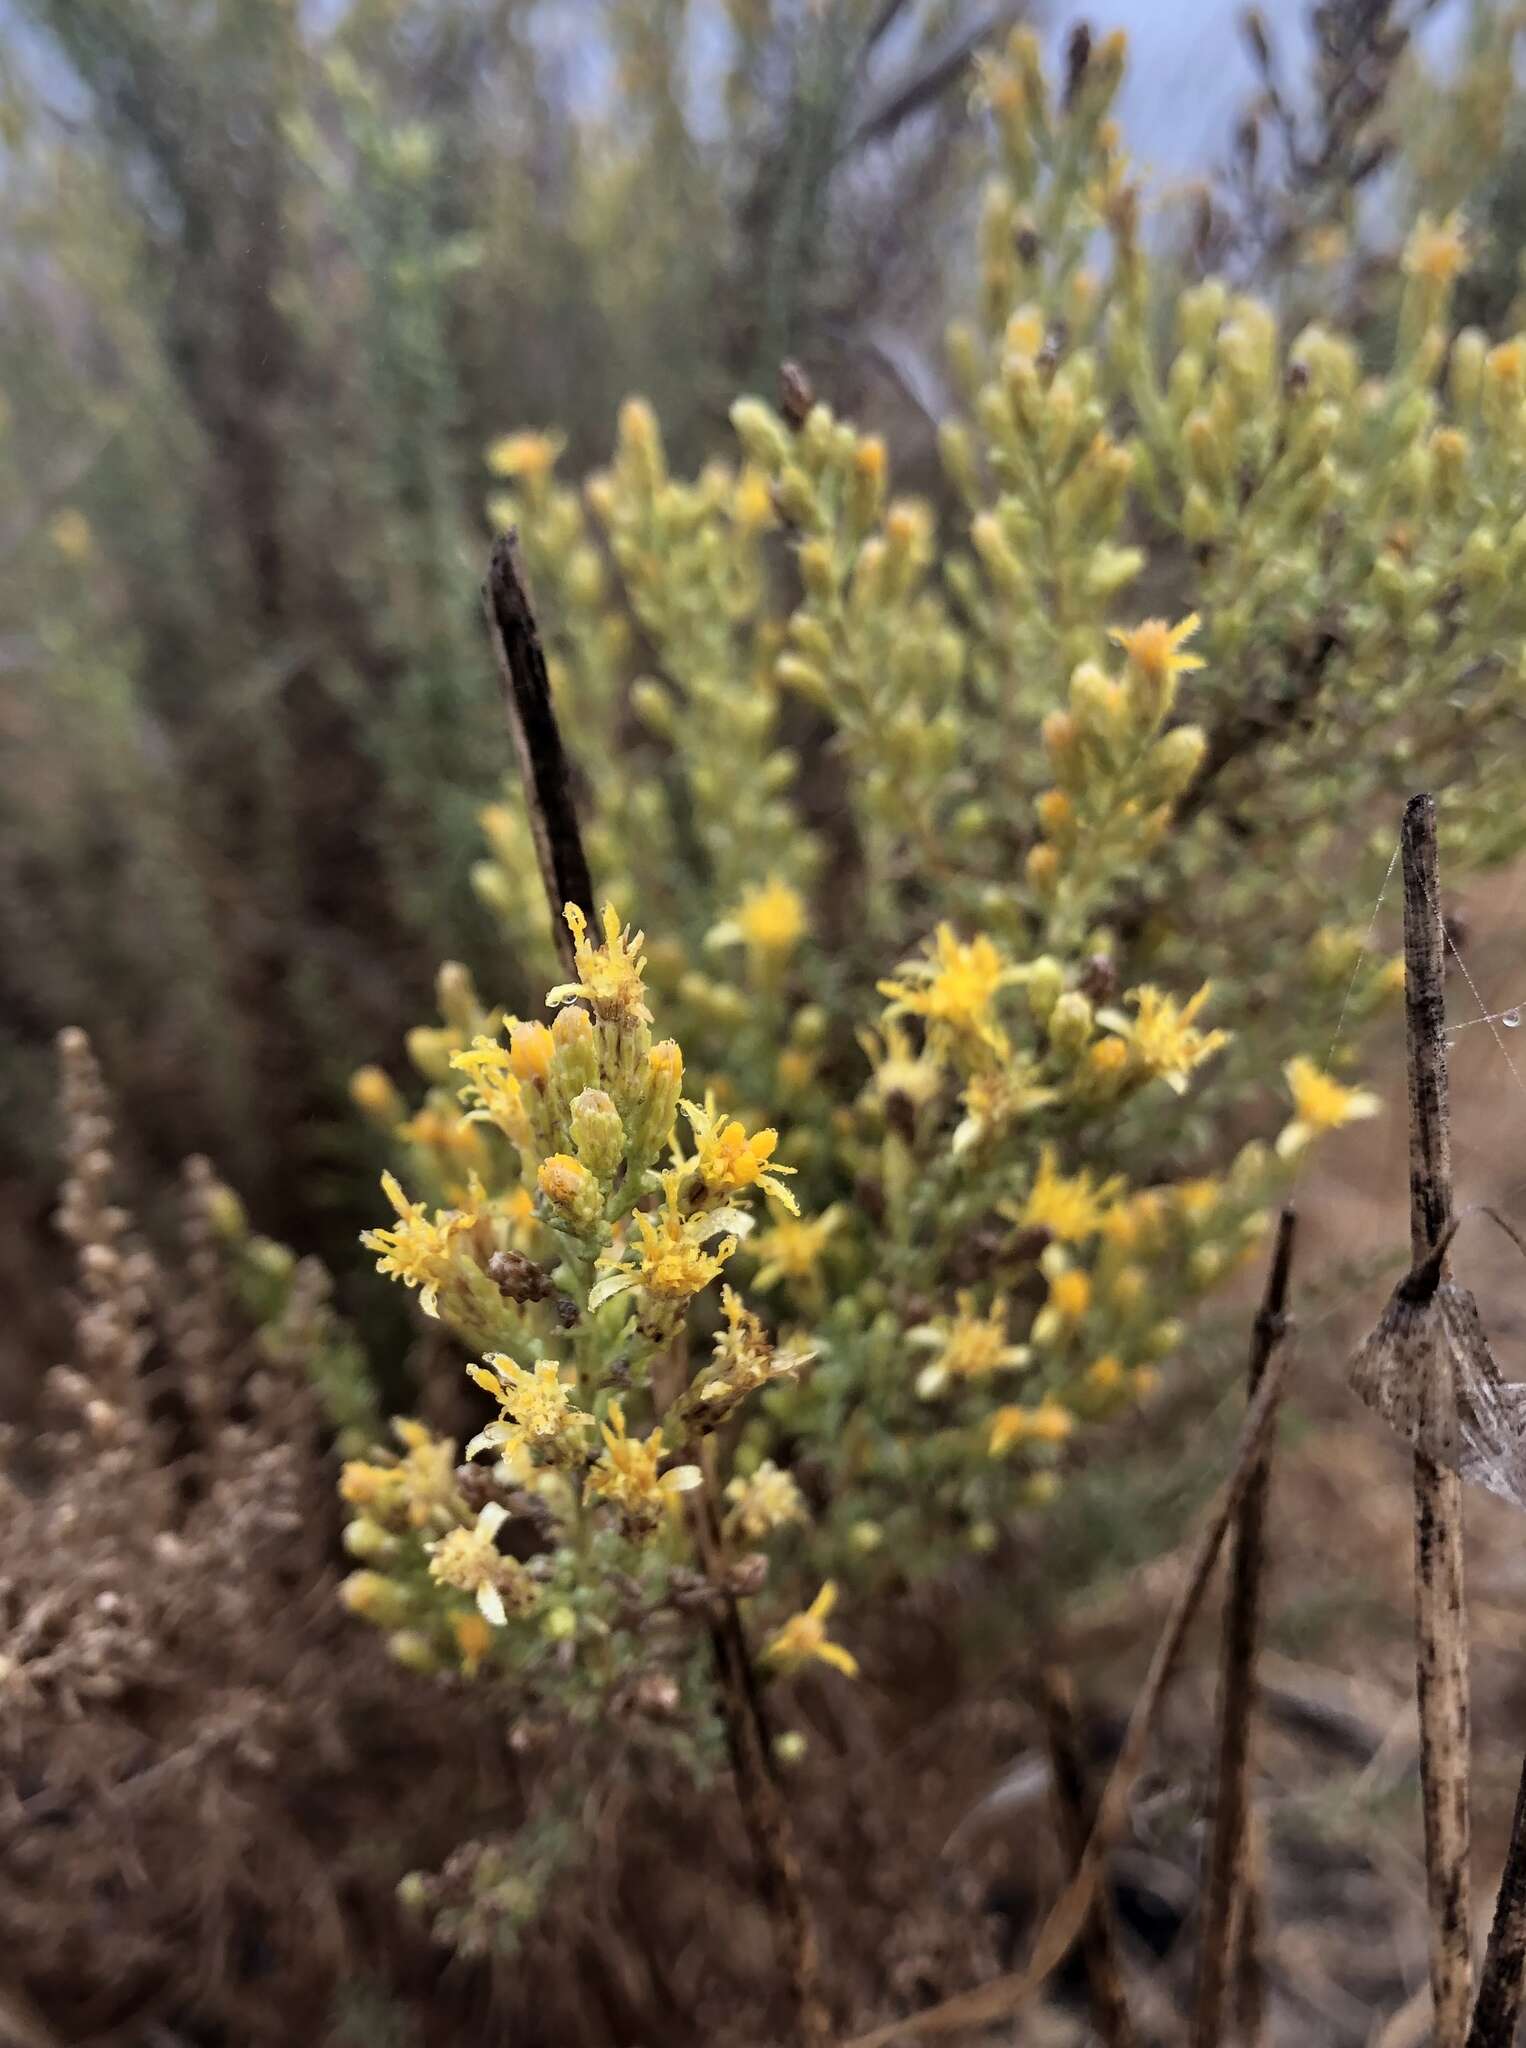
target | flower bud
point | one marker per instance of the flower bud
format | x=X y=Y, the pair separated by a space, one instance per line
x=574 y=1052
x=1466 y=371
x=1175 y=758
x=572 y=1191
x=457 y=997
x=374 y=1095
x=866 y=489
x=1070 y=1022
x=761 y=433
x=657 y=1101
x=598 y=1133
x=959 y=464
x=374 y=1598
x=530 y=1049
x=1096 y=703
x=654 y=706
x=817 y=570
x=1057 y=816
x=430 y=1049
x=370 y=1542
x=413 y=1651
x=640 y=442
x=796 y=496
x=1046 y=984
x=1042 y=868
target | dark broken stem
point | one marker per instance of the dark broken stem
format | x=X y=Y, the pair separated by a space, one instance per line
x=537 y=740
x=566 y=878
x=1441 y=1650
x=1075 y=1815
x=1230 y=1920
x=1248 y=1940
x=1499 y=1991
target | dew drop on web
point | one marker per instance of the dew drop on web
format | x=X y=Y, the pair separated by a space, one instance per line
x=1511 y=1020
x=1449 y=1045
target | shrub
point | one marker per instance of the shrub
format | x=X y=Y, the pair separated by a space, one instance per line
x=965 y=875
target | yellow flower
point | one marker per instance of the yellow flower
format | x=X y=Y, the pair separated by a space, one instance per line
x=474 y=1635
x=529 y=455
x=1130 y=1225
x=728 y=1160
x=1048 y=1423
x=770 y=922
x=970 y=1346
x=419 y=1252
x=804 y=1636
x=752 y=501
x=381 y=1490
x=1155 y=648
x=901 y=1073
x=1161 y=1037
x=611 y=974
x=742 y=1360
x=671 y=1265
x=1070 y=1293
x=469 y=1561
x=1437 y=252
x=1070 y=1296
x=1070 y=1209
x=627 y=1474
x=535 y=1413
x=794 y=1247
x=1025 y=332
x=1106 y=1374
x=954 y=987
x=768 y=1500
x=995 y=1099
x=494 y=1088
x=1197 y=1198
x=1320 y=1103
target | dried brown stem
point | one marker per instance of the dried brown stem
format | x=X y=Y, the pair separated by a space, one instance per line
x=750 y=1747
x=537 y=739
x=1441 y=1649
x=1006 y=1994
x=1228 y=1919
x=1504 y=1973
x=1075 y=1815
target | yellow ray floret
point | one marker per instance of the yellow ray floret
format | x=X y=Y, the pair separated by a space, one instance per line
x=728 y=1160
x=804 y=1637
x=420 y=1251
x=1162 y=1038
x=535 y=1411
x=1321 y=1103
x=610 y=975
x=629 y=1475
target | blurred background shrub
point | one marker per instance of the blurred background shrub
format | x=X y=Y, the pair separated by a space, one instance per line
x=272 y=277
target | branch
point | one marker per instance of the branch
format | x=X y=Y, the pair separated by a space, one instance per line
x=1441 y=1648
x=1226 y=1897
x=537 y=740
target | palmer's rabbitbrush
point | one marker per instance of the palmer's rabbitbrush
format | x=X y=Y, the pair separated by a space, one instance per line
x=967 y=912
